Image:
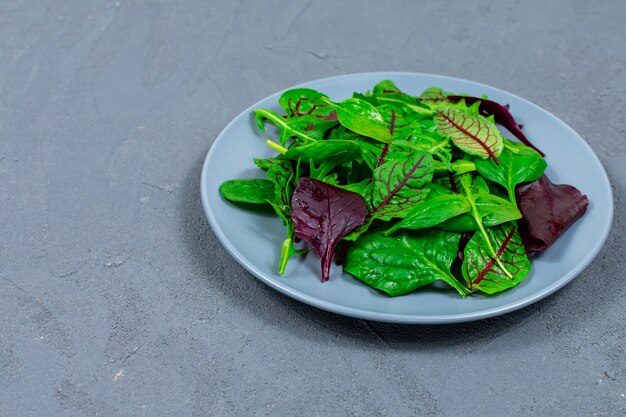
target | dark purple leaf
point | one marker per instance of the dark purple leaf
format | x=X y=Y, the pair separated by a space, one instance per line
x=343 y=250
x=465 y=237
x=323 y=214
x=548 y=210
x=501 y=115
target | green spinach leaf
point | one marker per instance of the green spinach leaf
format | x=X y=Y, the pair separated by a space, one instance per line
x=440 y=205
x=339 y=151
x=490 y=209
x=362 y=118
x=281 y=172
x=469 y=188
x=360 y=187
x=402 y=263
x=386 y=92
x=251 y=191
x=518 y=163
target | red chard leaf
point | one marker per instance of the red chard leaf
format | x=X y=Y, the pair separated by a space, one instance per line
x=300 y=102
x=548 y=210
x=471 y=133
x=323 y=214
x=399 y=184
x=434 y=94
x=501 y=115
x=491 y=274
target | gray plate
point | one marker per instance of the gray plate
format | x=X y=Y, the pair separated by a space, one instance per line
x=254 y=240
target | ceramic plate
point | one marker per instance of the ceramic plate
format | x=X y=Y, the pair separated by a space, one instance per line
x=254 y=240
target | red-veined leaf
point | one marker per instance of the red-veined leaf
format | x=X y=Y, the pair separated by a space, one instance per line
x=501 y=115
x=301 y=102
x=433 y=95
x=482 y=271
x=473 y=134
x=280 y=171
x=399 y=184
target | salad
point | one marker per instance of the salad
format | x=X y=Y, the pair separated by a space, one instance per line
x=404 y=190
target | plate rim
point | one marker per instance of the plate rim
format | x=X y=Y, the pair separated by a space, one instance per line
x=393 y=317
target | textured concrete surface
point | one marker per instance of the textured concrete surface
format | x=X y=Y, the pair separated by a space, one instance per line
x=115 y=297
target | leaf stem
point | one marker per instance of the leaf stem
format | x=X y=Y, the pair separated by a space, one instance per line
x=462 y=166
x=458 y=286
x=509 y=147
x=276 y=147
x=442 y=144
x=458 y=167
x=321 y=171
x=481 y=228
x=417 y=107
x=511 y=191
x=285 y=254
x=287 y=250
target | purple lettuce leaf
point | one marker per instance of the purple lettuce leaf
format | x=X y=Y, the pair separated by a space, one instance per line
x=323 y=214
x=501 y=115
x=548 y=210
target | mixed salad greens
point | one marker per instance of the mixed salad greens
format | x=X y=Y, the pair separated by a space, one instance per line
x=411 y=189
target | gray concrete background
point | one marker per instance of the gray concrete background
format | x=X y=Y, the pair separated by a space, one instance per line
x=115 y=297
